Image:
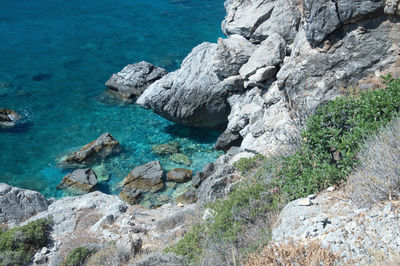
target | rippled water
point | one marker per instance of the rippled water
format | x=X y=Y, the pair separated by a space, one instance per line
x=55 y=56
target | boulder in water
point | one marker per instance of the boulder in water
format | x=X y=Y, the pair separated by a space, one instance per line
x=80 y=181
x=8 y=118
x=100 y=148
x=179 y=175
x=134 y=79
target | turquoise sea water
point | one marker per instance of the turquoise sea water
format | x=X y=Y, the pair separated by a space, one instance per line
x=55 y=56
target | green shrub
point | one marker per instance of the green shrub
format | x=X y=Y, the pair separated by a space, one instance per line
x=78 y=256
x=19 y=244
x=332 y=139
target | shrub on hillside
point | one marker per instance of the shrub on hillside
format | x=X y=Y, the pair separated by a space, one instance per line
x=19 y=244
x=377 y=177
x=78 y=256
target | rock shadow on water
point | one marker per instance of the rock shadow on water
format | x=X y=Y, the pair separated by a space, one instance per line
x=41 y=77
x=201 y=135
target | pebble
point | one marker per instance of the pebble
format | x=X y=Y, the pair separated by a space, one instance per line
x=304 y=202
x=180 y=205
x=331 y=189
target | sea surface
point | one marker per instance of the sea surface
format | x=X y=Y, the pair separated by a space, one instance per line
x=55 y=56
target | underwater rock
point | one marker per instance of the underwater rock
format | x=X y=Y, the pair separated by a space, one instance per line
x=102 y=174
x=41 y=77
x=180 y=158
x=79 y=181
x=134 y=79
x=8 y=118
x=100 y=148
x=145 y=178
x=17 y=205
x=166 y=148
x=188 y=197
x=179 y=175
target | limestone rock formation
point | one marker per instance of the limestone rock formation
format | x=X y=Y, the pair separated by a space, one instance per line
x=144 y=178
x=195 y=95
x=179 y=175
x=100 y=148
x=17 y=205
x=134 y=79
x=8 y=118
x=79 y=181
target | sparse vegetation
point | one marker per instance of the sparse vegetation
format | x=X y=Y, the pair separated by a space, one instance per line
x=78 y=256
x=330 y=142
x=19 y=244
x=378 y=176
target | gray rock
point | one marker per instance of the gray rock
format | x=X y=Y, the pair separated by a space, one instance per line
x=80 y=181
x=134 y=79
x=98 y=149
x=199 y=177
x=17 y=205
x=157 y=259
x=228 y=139
x=179 y=175
x=324 y=17
x=392 y=7
x=144 y=178
x=8 y=118
x=194 y=95
x=181 y=159
x=280 y=16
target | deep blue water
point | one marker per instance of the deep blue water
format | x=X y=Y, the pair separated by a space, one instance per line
x=57 y=54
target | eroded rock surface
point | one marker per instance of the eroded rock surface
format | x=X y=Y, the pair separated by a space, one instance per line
x=17 y=205
x=8 y=118
x=179 y=175
x=79 y=181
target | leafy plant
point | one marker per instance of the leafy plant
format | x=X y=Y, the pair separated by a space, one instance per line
x=78 y=256
x=19 y=244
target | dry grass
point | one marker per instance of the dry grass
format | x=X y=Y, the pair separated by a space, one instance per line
x=378 y=176
x=294 y=254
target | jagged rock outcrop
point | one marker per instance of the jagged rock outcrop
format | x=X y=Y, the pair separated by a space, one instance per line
x=17 y=205
x=98 y=149
x=134 y=79
x=195 y=95
x=256 y=19
x=144 y=178
x=79 y=181
x=8 y=118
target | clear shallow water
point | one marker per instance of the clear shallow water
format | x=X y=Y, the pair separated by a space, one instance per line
x=57 y=56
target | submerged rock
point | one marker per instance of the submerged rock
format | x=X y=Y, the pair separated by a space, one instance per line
x=179 y=175
x=17 y=205
x=180 y=158
x=102 y=174
x=144 y=178
x=100 y=148
x=188 y=197
x=79 y=181
x=134 y=79
x=166 y=148
x=8 y=118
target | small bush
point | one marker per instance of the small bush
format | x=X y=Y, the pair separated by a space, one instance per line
x=378 y=176
x=78 y=256
x=19 y=244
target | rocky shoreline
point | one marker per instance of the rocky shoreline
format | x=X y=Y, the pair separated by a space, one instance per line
x=275 y=67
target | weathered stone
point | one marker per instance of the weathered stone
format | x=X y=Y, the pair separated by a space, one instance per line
x=134 y=79
x=145 y=178
x=179 y=175
x=228 y=139
x=17 y=205
x=100 y=148
x=181 y=159
x=187 y=197
x=199 y=177
x=279 y=16
x=156 y=259
x=194 y=95
x=166 y=148
x=392 y=7
x=8 y=118
x=304 y=202
x=79 y=181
